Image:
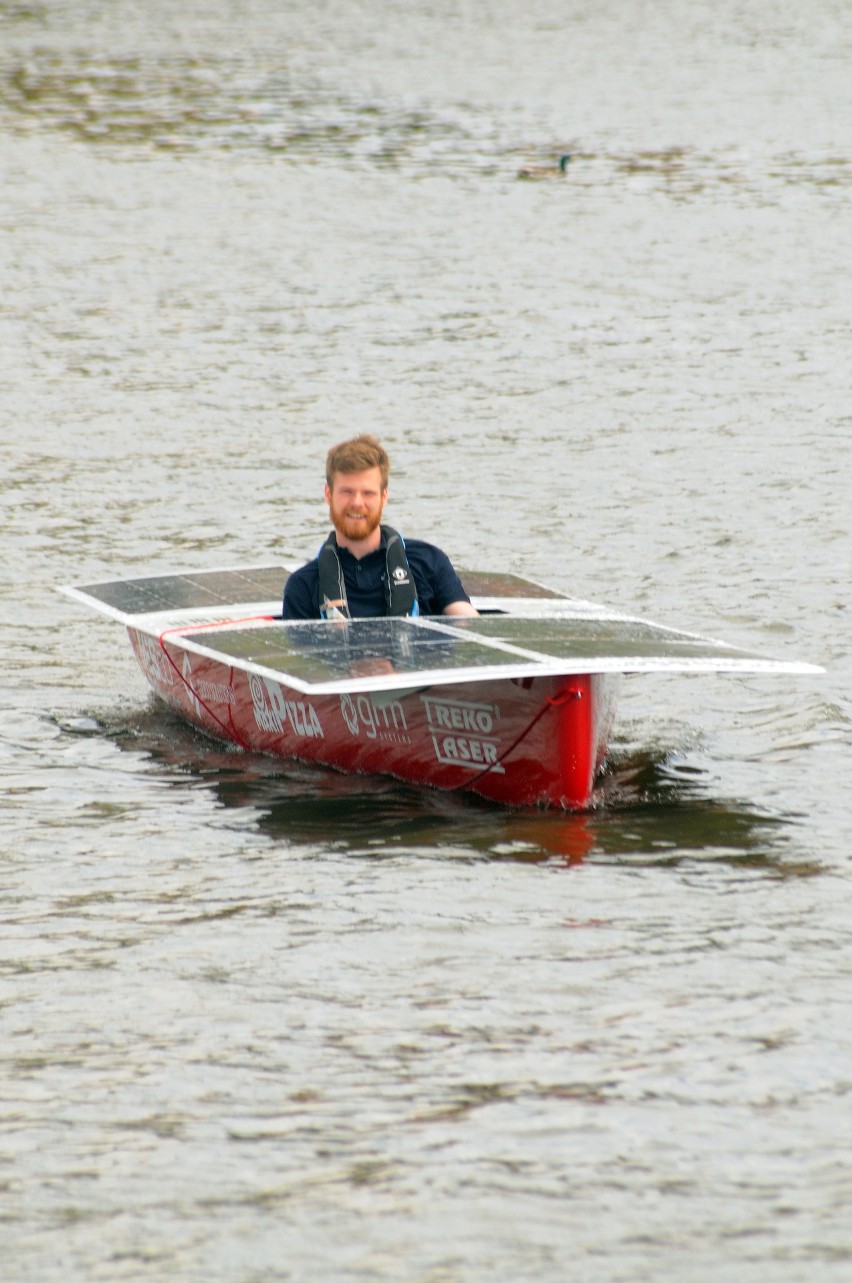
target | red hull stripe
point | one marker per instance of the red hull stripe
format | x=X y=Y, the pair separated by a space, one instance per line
x=230 y=731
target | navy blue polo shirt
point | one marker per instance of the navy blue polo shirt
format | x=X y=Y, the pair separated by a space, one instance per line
x=435 y=579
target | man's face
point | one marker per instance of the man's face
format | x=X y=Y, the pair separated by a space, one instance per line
x=355 y=502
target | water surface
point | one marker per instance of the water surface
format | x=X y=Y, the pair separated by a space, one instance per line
x=263 y=1022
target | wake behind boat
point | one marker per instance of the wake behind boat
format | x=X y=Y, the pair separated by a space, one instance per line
x=516 y=704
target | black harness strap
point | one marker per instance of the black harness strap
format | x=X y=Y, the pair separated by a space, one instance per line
x=332 y=590
x=400 y=592
x=398 y=581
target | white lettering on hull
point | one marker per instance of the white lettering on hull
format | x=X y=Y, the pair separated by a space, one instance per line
x=153 y=661
x=383 y=719
x=202 y=692
x=214 y=692
x=477 y=748
x=186 y=670
x=274 y=712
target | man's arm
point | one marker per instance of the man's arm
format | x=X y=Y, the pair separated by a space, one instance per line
x=439 y=589
x=299 y=595
x=450 y=587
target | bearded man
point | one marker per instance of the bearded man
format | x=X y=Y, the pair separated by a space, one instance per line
x=364 y=568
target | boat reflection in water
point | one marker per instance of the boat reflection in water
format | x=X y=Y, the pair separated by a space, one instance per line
x=652 y=809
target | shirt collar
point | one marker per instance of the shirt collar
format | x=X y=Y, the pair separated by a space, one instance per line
x=382 y=548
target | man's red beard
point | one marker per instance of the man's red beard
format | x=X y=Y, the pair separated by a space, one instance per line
x=351 y=528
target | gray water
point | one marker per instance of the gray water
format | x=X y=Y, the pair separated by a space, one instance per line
x=261 y=1022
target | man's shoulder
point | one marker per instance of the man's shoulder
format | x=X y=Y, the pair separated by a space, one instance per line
x=305 y=573
x=428 y=552
x=300 y=592
x=435 y=575
x=430 y=560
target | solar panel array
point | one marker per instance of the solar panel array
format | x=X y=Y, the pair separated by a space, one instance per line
x=375 y=654
x=159 y=594
x=541 y=633
x=593 y=639
x=321 y=652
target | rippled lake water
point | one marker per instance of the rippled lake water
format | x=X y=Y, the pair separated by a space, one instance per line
x=262 y=1022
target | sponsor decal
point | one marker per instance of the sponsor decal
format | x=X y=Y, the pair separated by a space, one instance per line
x=154 y=661
x=274 y=712
x=186 y=669
x=379 y=718
x=463 y=734
x=200 y=690
x=214 y=692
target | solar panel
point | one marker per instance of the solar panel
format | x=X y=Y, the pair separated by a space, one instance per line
x=526 y=633
x=595 y=639
x=381 y=650
x=220 y=590
x=375 y=654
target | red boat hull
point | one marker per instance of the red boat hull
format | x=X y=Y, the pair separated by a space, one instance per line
x=523 y=742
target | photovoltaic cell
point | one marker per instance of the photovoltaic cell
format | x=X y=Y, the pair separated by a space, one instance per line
x=554 y=635
x=595 y=639
x=323 y=652
x=213 y=588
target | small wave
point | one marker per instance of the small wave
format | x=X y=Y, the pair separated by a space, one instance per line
x=187 y=104
x=181 y=103
x=652 y=806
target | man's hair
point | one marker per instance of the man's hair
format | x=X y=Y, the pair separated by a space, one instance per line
x=357 y=455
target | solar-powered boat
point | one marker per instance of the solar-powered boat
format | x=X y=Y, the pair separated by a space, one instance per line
x=515 y=704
